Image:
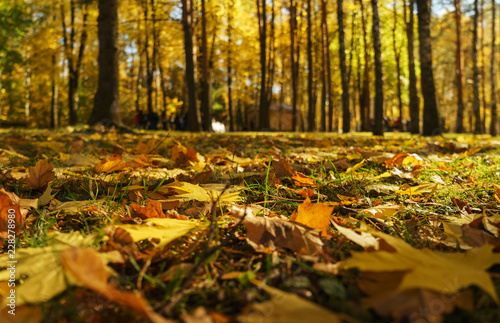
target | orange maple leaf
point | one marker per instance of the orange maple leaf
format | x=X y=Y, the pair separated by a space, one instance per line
x=316 y=216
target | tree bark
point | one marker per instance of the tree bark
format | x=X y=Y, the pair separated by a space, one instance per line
x=54 y=113
x=293 y=27
x=476 y=107
x=229 y=65
x=107 y=99
x=264 y=117
x=325 y=89
x=311 y=116
x=193 y=120
x=397 y=56
x=346 y=116
x=494 y=116
x=364 y=97
x=459 y=126
x=378 y=127
x=74 y=67
x=206 y=108
x=431 y=115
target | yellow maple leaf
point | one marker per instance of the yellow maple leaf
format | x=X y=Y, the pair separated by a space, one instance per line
x=424 y=268
x=316 y=216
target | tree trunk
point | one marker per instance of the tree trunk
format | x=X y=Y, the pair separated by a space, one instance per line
x=346 y=116
x=494 y=117
x=325 y=91
x=229 y=67
x=378 y=127
x=54 y=113
x=264 y=117
x=476 y=107
x=364 y=98
x=431 y=115
x=107 y=99
x=311 y=116
x=483 y=74
x=459 y=126
x=206 y=108
x=271 y=58
x=350 y=72
x=414 y=99
x=293 y=27
x=193 y=120
x=397 y=55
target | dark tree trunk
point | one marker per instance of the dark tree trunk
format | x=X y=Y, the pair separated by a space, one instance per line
x=364 y=97
x=494 y=117
x=271 y=61
x=476 y=108
x=325 y=90
x=351 y=70
x=293 y=27
x=483 y=74
x=107 y=99
x=229 y=66
x=54 y=113
x=193 y=119
x=459 y=126
x=149 y=61
x=206 y=108
x=346 y=116
x=431 y=115
x=378 y=126
x=264 y=115
x=311 y=116
x=414 y=98
x=397 y=56
x=74 y=66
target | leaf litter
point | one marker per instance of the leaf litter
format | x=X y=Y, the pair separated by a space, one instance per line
x=282 y=227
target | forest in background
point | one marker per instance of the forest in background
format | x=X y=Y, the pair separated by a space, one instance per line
x=339 y=66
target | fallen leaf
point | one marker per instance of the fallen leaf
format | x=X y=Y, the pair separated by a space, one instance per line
x=165 y=230
x=285 y=307
x=115 y=163
x=88 y=269
x=41 y=174
x=153 y=209
x=316 y=216
x=364 y=239
x=352 y=170
x=423 y=268
x=282 y=168
x=383 y=211
x=265 y=234
x=10 y=202
x=42 y=269
x=302 y=180
x=403 y=159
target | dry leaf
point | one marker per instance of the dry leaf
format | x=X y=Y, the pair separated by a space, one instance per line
x=432 y=270
x=10 y=209
x=88 y=269
x=153 y=209
x=41 y=174
x=265 y=234
x=300 y=179
x=285 y=307
x=115 y=163
x=316 y=216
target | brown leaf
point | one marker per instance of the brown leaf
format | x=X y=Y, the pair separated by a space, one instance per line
x=41 y=174
x=282 y=168
x=10 y=202
x=265 y=234
x=87 y=267
x=151 y=210
x=302 y=180
x=403 y=159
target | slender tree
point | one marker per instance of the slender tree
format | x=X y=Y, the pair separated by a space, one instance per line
x=107 y=98
x=459 y=126
x=378 y=128
x=325 y=59
x=476 y=108
x=293 y=66
x=311 y=116
x=364 y=95
x=397 y=56
x=494 y=117
x=346 y=116
x=74 y=60
x=431 y=115
x=206 y=107
x=264 y=115
x=414 y=99
x=193 y=119
x=229 y=65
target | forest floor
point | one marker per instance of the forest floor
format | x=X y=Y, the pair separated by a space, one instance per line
x=248 y=227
